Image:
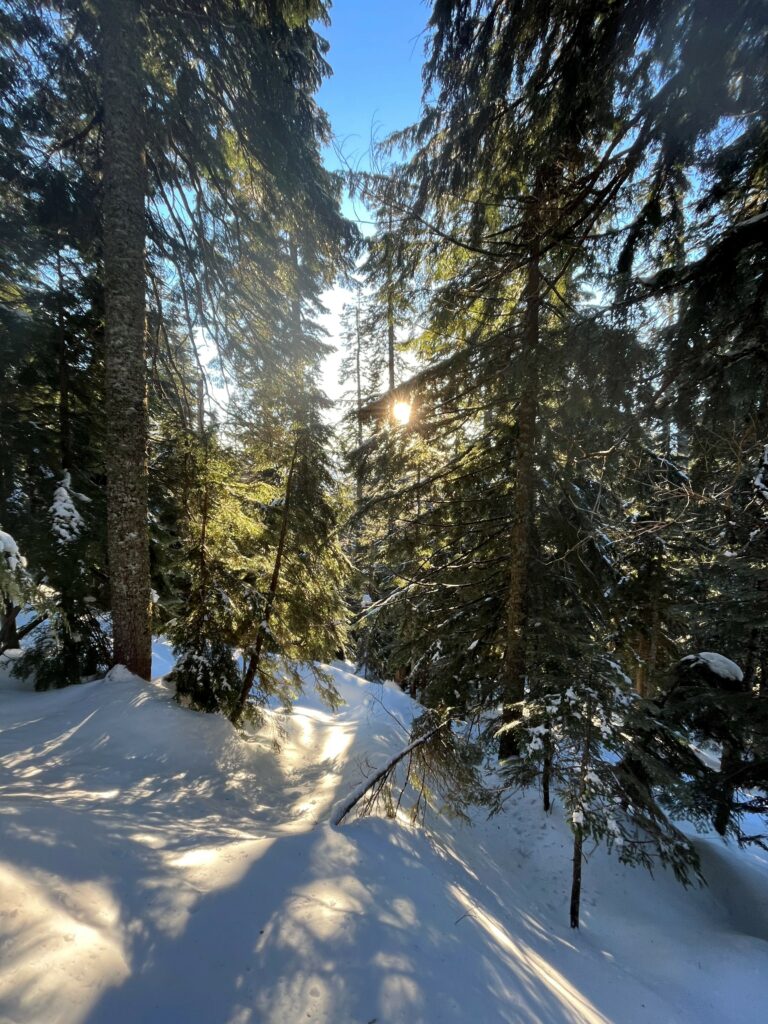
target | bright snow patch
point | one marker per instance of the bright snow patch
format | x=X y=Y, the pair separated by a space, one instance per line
x=156 y=868
x=717 y=663
x=9 y=549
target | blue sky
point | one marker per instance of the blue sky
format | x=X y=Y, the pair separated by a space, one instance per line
x=377 y=51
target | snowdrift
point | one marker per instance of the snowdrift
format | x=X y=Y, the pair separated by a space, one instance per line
x=156 y=868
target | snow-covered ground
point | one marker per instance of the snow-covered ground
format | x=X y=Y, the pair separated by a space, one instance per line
x=156 y=868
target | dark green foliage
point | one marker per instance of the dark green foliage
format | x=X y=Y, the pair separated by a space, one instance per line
x=232 y=137
x=580 y=485
x=711 y=700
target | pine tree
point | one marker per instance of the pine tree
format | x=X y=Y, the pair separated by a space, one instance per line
x=52 y=344
x=241 y=173
x=562 y=522
x=508 y=208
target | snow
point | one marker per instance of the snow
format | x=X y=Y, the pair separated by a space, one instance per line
x=67 y=522
x=717 y=663
x=155 y=867
x=760 y=483
x=342 y=808
x=9 y=549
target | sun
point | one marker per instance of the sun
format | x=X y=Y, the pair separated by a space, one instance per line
x=401 y=412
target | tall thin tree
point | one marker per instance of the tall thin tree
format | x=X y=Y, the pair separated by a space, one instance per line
x=124 y=233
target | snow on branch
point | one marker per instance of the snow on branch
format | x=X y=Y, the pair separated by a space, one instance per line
x=13 y=560
x=67 y=521
x=14 y=579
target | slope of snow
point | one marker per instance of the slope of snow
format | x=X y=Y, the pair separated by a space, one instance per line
x=156 y=868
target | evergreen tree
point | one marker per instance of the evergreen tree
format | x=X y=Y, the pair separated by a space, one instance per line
x=564 y=520
x=231 y=146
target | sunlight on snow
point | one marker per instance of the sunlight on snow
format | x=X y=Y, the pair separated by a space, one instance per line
x=194 y=874
x=63 y=942
x=527 y=964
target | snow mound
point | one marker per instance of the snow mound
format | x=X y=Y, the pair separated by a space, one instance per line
x=154 y=867
x=718 y=664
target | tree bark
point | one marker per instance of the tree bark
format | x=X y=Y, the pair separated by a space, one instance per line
x=359 y=386
x=578 y=841
x=546 y=774
x=730 y=761
x=521 y=535
x=65 y=427
x=9 y=636
x=124 y=232
x=578 y=832
x=750 y=661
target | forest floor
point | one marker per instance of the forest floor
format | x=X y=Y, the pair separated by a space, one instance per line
x=156 y=868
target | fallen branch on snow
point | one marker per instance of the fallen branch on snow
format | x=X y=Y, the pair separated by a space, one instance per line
x=342 y=808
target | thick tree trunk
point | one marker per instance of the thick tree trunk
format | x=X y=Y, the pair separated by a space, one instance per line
x=522 y=533
x=124 y=230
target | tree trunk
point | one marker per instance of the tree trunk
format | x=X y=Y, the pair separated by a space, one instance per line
x=546 y=774
x=521 y=535
x=390 y=310
x=124 y=230
x=750 y=662
x=642 y=646
x=578 y=831
x=253 y=662
x=578 y=840
x=65 y=427
x=730 y=761
x=359 y=386
x=200 y=407
x=9 y=637
x=649 y=631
